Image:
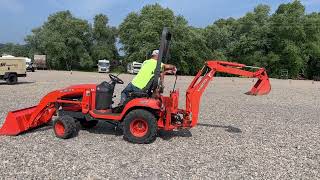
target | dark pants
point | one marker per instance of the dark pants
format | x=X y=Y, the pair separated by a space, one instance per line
x=125 y=93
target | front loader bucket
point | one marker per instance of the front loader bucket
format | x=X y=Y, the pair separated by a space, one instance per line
x=24 y=119
x=17 y=121
x=262 y=87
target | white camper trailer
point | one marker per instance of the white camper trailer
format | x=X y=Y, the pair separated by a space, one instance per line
x=134 y=67
x=103 y=66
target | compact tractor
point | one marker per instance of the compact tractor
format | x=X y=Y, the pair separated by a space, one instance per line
x=143 y=113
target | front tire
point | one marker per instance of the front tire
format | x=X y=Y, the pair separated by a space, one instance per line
x=140 y=126
x=65 y=127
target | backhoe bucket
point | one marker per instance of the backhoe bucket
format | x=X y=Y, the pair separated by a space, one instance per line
x=24 y=119
x=262 y=87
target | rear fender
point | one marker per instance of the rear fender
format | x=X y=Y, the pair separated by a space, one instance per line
x=144 y=103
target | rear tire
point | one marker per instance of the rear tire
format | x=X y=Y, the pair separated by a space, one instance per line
x=140 y=126
x=65 y=127
x=12 y=79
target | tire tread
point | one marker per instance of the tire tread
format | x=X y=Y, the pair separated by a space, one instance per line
x=71 y=128
x=151 y=120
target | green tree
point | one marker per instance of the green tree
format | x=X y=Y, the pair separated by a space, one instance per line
x=15 y=49
x=219 y=36
x=104 y=39
x=312 y=47
x=65 y=40
x=140 y=33
x=288 y=37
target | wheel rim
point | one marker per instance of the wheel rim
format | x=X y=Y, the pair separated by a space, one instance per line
x=138 y=127
x=11 y=79
x=59 y=128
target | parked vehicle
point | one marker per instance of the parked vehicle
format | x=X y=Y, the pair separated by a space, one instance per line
x=11 y=68
x=133 y=67
x=103 y=66
x=40 y=62
x=29 y=65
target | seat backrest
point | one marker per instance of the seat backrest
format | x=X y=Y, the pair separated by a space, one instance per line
x=148 y=88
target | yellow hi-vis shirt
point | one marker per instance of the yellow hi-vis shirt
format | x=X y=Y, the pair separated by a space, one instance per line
x=145 y=73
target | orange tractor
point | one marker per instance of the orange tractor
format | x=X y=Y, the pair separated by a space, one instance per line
x=142 y=115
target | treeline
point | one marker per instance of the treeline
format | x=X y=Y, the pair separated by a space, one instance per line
x=69 y=42
x=287 y=40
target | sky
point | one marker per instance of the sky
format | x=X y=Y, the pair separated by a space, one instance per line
x=19 y=17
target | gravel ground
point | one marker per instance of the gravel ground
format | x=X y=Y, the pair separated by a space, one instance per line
x=238 y=136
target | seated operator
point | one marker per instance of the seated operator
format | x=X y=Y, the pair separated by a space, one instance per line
x=145 y=74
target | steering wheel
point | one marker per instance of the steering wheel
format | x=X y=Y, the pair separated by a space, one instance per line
x=115 y=79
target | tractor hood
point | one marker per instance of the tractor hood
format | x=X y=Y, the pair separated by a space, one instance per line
x=82 y=86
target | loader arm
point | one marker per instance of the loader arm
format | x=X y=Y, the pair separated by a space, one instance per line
x=206 y=74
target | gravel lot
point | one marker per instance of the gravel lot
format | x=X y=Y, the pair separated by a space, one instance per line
x=239 y=136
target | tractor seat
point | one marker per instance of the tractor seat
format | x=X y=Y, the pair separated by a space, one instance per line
x=131 y=96
x=138 y=94
x=146 y=91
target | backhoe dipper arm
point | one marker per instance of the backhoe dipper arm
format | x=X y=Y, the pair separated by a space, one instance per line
x=206 y=74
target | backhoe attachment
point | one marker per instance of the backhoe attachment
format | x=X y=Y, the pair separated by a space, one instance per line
x=204 y=76
x=261 y=87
